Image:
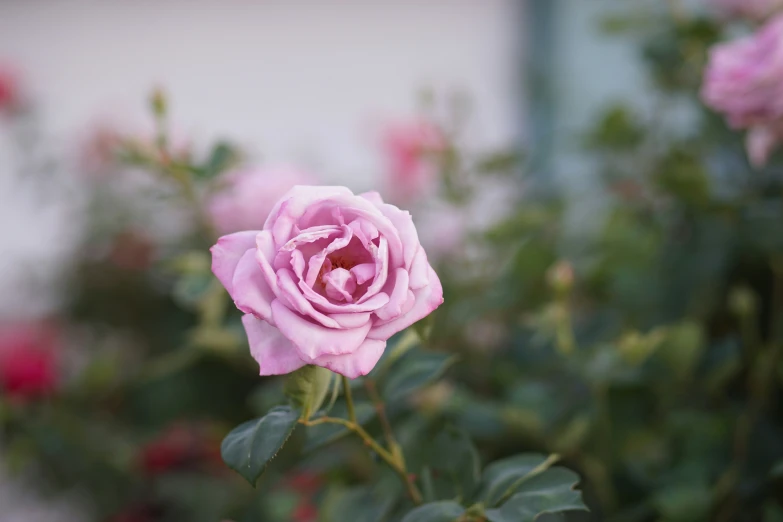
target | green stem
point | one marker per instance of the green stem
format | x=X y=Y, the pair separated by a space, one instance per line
x=389 y=458
x=349 y=399
x=380 y=408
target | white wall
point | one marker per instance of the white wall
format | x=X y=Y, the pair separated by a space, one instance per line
x=290 y=79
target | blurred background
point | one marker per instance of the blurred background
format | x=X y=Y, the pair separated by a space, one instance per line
x=611 y=258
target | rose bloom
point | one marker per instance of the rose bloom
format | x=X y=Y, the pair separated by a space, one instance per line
x=249 y=195
x=408 y=147
x=744 y=80
x=9 y=90
x=28 y=360
x=180 y=446
x=328 y=280
x=753 y=9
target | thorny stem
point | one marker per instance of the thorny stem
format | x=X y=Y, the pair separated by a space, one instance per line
x=393 y=461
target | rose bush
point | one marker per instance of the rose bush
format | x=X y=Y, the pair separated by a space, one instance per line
x=744 y=80
x=328 y=280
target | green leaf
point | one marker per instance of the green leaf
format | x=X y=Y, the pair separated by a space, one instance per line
x=444 y=511
x=414 y=370
x=190 y=289
x=777 y=469
x=322 y=434
x=250 y=446
x=307 y=388
x=455 y=458
x=502 y=478
x=222 y=157
x=549 y=492
x=360 y=504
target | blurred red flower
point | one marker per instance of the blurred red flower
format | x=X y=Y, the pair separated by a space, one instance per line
x=9 y=90
x=28 y=360
x=181 y=446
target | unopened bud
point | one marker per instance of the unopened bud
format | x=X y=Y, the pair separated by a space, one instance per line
x=561 y=276
x=742 y=301
x=158 y=103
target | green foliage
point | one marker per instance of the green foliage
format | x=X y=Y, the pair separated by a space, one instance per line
x=414 y=370
x=551 y=491
x=443 y=511
x=250 y=447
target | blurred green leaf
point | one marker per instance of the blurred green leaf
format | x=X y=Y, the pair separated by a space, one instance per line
x=412 y=371
x=222 y=157
x=444 y=511
x=502 y=478
x=455 y=457
x=550 y=492
x=250 y=447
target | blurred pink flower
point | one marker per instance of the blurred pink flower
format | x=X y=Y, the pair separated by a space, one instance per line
x=28 y=360
x=408 y=148
x=100 y=148
x=753 y=9
x=329 y=278
x=10 y=95
x=744 y=80
x=248 y=195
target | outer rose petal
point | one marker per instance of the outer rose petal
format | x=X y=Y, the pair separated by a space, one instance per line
x=274 y=353
x=427 y=299
x=397 y=296
x=251 y=293
x=403 y=222
x=226 y=254
x=355 y=364
x=420 y=270
x=373 y=197
x=313 y=340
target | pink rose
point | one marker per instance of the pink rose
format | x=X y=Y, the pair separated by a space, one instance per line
x=249 y=195
x=9 y=90
x=753 y=9
x=328 y=280
x=408 y=149
x=28 y=360
x=744 y=80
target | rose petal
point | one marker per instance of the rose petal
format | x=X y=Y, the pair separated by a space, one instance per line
x=420 y=270
x=322 y=303
x=227 y=252
x=381 y=256
x=294 y=204
x=356 y=364
x=340 y=285
x=428 y=299
x=397 y=295
x=363 y=272
x=403 y=223
x=354 y=320
x=313 y=340
x=274 y=353
x=294 y=298
x=251 y=293
x=373 y=197
x=315 y=263
x=265 y=253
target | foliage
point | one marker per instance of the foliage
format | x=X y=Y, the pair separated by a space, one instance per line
x=635 y=361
